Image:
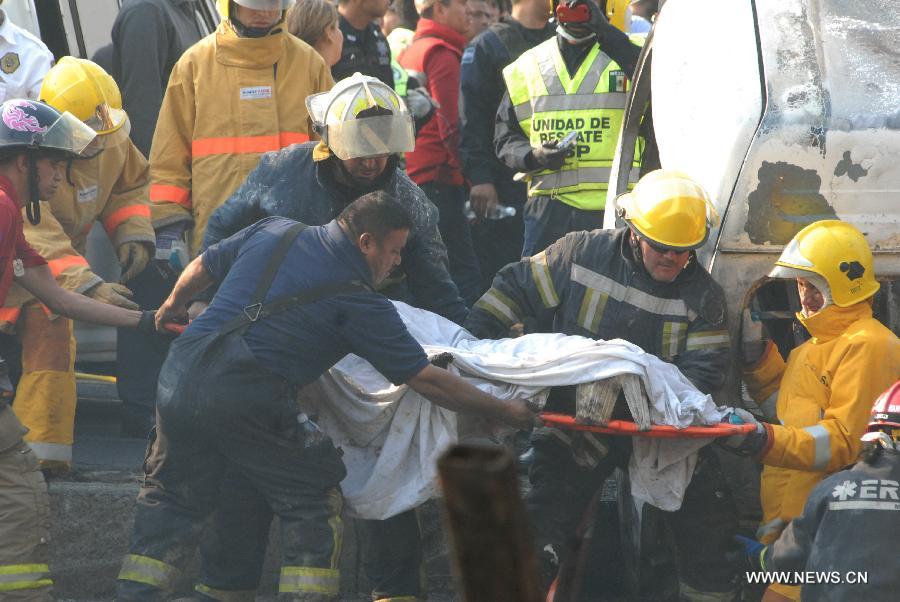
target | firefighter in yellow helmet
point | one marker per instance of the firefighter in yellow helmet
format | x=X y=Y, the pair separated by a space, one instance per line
x=641 y=283
x=559 y=120
x=827 y=386
x=234 y=95
x=110 y=187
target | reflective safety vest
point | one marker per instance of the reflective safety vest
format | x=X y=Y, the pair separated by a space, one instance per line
x=550 y=104
x=401 y=78
x=399 y=40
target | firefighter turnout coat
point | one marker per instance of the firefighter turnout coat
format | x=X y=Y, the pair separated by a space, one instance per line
x=848 y=531
x=824 y=395
x=549 y=104
x=229 y=99
x=590 y=284
x=825 y=392
x=112 y=188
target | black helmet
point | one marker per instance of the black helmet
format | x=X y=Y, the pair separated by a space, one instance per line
x=39 y=131
x=32 y=126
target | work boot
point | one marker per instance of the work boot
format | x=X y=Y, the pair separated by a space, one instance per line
x=55 y=468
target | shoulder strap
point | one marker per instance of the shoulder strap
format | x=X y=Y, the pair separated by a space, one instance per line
x=314 y=294
x=284 y=243
x=251 y=311
x=257 y=310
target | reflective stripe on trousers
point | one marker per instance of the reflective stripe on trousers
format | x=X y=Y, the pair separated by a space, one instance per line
x=143 y=569
x=298 y=579
x=14 y=577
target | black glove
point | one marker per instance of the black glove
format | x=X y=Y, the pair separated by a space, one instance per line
x=548 y=156
x=147 y=323
x=598 y=23
x=744 y=445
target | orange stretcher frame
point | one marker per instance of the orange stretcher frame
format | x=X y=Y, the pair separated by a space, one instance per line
x=629 y=428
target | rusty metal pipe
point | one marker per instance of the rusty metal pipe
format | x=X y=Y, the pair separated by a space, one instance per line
x=487 y=525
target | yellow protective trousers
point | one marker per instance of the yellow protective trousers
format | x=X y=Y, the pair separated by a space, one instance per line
x=46 y=395
x=24 y=520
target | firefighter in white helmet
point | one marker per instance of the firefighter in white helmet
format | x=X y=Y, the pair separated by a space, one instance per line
x=364 y=127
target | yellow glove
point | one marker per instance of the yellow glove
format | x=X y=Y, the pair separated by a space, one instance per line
x=112 y=294
x=133 y=257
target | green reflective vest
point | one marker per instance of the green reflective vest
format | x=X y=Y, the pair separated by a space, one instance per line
x=549 y=104
x=398 y=40
x=401 y=77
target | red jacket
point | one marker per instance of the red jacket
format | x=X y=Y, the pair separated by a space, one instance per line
x=436 y=52
x=13 y=247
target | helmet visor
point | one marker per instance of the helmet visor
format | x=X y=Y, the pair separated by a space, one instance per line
x=106 y=119
x=265 y=4
x=68 y=134
x=371 y=136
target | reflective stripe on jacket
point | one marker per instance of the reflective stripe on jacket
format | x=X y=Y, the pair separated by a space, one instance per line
x=825 y=394
x=550 y=104
x=589 y=284
x=70 y=269
x=229 y=99
x=111 y=187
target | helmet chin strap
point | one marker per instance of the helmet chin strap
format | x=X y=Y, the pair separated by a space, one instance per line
x=33 y=206
x=562 y=31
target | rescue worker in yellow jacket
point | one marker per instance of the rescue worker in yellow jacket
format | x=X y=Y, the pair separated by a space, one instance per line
x=111 y=187
x=828 y=384
x=234 y=95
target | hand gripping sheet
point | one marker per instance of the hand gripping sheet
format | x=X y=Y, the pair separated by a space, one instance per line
x=391 y=436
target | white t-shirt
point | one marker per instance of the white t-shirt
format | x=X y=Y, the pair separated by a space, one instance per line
x=24 y=61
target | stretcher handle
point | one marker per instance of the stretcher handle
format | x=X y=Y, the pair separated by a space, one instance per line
x=659 y=431
x=174 y=327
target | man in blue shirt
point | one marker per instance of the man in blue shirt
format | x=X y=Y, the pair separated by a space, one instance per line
x=227 y=389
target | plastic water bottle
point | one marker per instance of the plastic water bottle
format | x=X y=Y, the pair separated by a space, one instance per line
x=498 y=212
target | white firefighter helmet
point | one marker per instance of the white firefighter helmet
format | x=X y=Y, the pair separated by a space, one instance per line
x=362 y=117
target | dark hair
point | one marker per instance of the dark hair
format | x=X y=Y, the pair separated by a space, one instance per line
x=376 y=213
x=428 y=12
x=407 y=15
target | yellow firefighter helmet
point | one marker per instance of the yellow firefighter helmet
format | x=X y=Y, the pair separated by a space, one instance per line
x=835 y=257
x=87 y=91
x=669 y=209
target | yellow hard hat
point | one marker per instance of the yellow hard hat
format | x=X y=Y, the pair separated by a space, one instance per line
x=835 y=257
x=618 y=12
x=85 y=90
x=670 y=209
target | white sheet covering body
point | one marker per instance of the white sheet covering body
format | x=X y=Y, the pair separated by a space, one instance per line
x=391 y=436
